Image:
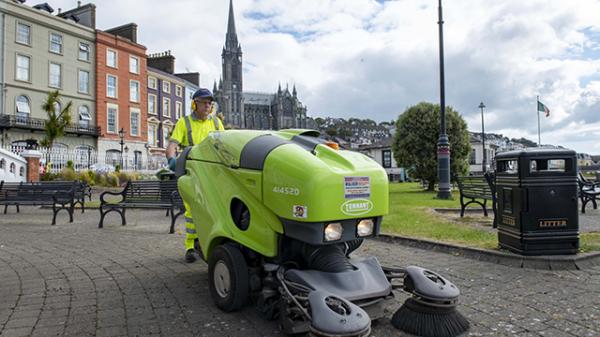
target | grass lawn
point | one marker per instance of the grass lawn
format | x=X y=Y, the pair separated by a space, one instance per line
x=411 y=216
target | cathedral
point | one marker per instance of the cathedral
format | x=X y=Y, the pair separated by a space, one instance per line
x=252 y=110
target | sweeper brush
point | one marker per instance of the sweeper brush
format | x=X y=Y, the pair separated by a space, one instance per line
x=278 y=215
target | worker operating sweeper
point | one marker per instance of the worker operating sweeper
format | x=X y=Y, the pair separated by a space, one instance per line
x=188 y=131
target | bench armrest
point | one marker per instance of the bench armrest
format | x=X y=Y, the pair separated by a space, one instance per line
x=103 y=202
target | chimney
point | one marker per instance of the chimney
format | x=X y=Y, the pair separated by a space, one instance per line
x=78 y=4
x=162 y=61
x=128 y=31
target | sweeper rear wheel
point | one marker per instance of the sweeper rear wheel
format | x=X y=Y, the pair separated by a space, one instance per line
x=228 y=277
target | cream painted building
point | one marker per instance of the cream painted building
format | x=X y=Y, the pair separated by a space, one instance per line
x=43 y=51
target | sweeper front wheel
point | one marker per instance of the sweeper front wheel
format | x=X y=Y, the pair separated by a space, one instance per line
x=228 y=277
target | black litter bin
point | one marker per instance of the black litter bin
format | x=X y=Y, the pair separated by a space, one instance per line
x=537 y=201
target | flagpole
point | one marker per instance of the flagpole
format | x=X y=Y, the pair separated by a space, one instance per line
x=538 y=113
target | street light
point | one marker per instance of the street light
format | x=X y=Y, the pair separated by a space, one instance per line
x=483 y=166
x=126 y=156
x=443 y=146
x=121 y=135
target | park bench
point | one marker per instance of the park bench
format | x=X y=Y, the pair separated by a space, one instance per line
x=476 y=189
x=150 y=194
x=588 y=191
x=59 y=196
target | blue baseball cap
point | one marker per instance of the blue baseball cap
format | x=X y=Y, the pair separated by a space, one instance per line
x=203 y=93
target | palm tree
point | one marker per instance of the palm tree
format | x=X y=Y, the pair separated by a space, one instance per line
x=56 y=121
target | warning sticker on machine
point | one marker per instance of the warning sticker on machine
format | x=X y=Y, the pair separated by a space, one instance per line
x=300 y=211
x=357 y=187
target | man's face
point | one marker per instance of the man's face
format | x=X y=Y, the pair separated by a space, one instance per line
x=203 y=106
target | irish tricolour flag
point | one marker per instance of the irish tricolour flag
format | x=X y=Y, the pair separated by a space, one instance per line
x=543 y=108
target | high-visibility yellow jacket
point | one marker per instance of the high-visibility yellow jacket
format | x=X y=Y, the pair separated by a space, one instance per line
x=190 y=127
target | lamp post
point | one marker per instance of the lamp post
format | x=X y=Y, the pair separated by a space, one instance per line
x=89 y=150
x=121 y=135
x=443 y=146
x=126 y=156
x=483 y=163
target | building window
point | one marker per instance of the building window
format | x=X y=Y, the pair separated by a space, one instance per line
x=152 y=104
x=151 y=82
x=386 y=158
x=135 y=122
x=152 y=134
x=178 y=109
x=134 y=65
x=166 y=107
x=23 y=107
x=2 y=164
x=166 y=135
x=84 y=116
x=111 y=58
x=13 y=168
x=178 y=91
x=84 y=51
x=84 y=81
x=56 y=43
x=166 y=86
x=111 y=118
x=23 y=33
x=473 y=158
x=111 y=86
x=54 y=79
x=134 y=91
x=23 y=65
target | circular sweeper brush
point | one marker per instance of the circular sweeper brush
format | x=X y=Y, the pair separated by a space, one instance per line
x=431 y=311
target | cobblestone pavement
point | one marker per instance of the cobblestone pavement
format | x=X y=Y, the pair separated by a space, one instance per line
x=78 y=280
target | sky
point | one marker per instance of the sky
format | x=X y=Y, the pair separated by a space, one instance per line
x=374 y=59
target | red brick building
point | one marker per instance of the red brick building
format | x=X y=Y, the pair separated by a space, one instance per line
x=121 y=97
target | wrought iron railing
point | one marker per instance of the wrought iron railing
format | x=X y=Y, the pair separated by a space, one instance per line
x=30 y=123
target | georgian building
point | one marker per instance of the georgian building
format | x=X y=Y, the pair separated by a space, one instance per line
x=121 y=97
x=167 y=101
x=252 y=110
x=43 y=52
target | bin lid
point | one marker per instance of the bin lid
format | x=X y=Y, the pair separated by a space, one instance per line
x=536 y=152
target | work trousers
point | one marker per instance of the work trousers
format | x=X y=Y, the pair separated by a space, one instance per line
x=190 y=228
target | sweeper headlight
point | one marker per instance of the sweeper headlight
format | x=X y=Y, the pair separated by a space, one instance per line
x=365 y=227
x=333 y=231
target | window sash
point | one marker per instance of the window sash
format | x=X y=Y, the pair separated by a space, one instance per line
x=134 y=120
x=166 y=87
x=55 y=74
x=111 y=86
x=166 y=107
x=134 y=91
x=84 y=113
x=152 y=104
x=111 y=58
x=84 y=80
x=23 y=33
x=56 y=43
x=111 y=120
x=23 y=64
x=84 y=51
x=134 y=65
x=23 y=106
x=151 y=82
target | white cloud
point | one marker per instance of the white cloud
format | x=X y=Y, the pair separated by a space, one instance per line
x=366 y=58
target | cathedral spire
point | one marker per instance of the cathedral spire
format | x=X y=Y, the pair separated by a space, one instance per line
x=231 y=40
x=294 y=90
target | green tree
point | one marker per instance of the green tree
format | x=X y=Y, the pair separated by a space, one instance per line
x=56 y=121
x=415 y=142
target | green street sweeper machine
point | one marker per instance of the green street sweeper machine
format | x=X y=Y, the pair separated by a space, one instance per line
x=278 y=214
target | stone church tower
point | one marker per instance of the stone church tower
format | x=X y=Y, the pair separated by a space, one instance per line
x=229 y=92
